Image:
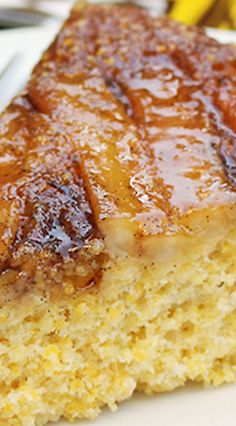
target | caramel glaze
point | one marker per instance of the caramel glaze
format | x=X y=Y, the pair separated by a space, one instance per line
x=47 y=226
x=125 y=116
x=142 y=99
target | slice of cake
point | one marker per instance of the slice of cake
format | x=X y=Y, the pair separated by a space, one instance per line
x=118 y=213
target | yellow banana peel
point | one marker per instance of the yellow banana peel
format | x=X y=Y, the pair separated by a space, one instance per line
x=190 y=11
x=222 y=12
x=232 y=13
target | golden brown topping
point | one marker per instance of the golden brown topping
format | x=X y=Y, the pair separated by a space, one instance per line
x=140 y=96
x=127 y=124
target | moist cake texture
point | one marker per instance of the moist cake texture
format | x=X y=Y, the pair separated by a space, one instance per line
x=118 y=211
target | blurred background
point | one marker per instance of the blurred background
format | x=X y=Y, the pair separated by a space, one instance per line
x=212 y=13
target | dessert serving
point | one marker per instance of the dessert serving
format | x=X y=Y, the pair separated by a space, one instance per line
x=118 y=213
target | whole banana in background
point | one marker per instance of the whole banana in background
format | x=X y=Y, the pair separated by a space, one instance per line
x=213 y=13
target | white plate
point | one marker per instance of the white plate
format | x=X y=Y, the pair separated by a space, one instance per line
x=190 y=406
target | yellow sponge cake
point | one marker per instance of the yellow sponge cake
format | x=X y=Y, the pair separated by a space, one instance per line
x=118 y=218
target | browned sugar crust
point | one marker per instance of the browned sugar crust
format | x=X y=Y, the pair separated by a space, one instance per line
x=125 y=116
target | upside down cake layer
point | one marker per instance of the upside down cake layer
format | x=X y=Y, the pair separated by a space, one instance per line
x=118 y=208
